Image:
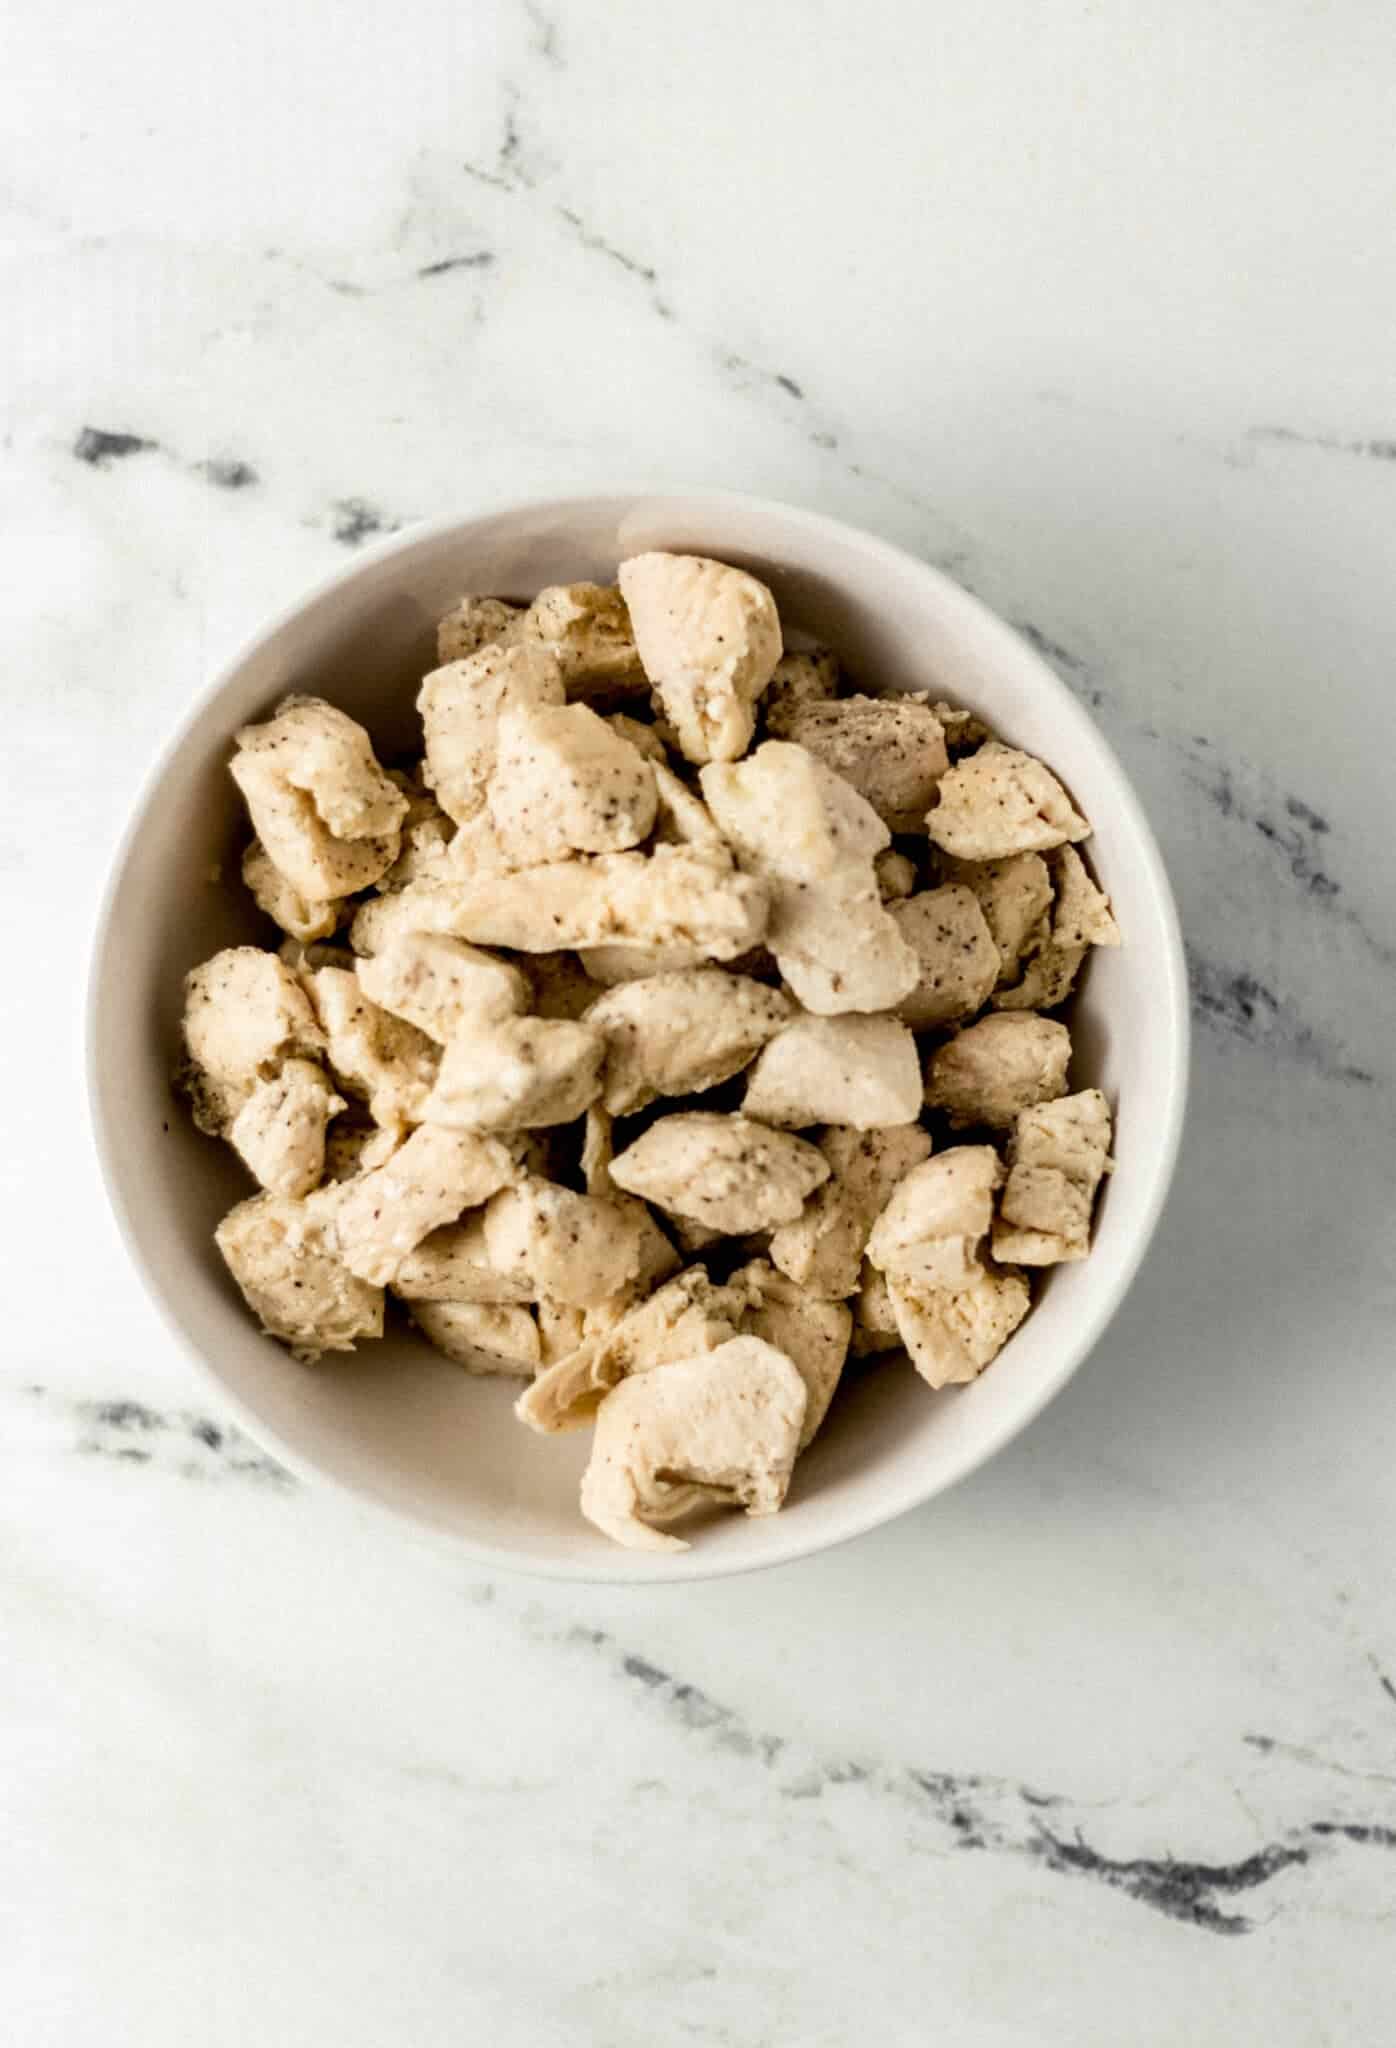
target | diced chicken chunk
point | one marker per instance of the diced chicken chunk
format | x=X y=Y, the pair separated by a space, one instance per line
x=430 y=1179
x=999 y=801
x=709 y=638
x=1080 y=918
x=474 y=623
x=681 y=818
x=641 y=735
x=282 y=1256
x=932 y=1230
x=686 y=1317
x=317 y=866
x=598 y=1150
x=454 y=1264
x=951 y=1335
x=461 y=706
x=352 y=1146
x=788 y=816
x=679 y=1033
x=721 y=1428
x=482 y=1336
x=813 y=1334
x=813 y=839
x=823 y=1248
x=442 y=985
x=586 y=628
x=580 y=1249
x=957 y=959
x=565 y=782
x=1059 y=1153
x=1015 y=896
x=245 y=1014
x=373 y=1054
x=725 y=1172
x=797 y=681
x=319 y=749
x=427 y=839
x=280 y=902
x=561 y=1330
x=516 y=1074
x=874 y=1318
x=860 y=1071
x=993 y=1069
x=674 y=896
x=896 y=875
x=611 y=966
x=891 y=749
x=279 y=1132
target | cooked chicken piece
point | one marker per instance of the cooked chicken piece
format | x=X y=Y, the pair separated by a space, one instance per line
x=641 y=735
x=1058 y=1155
x=318 y=749
x=516 y=1074
x=461 y=706
x=686 y=1317
x=454 y=1264
x=812 y=839
x=561 y=1329
x=477 y=849
x=1015 y=896
x=281 y=1254
x=861 y=1071
x=798 y=681
x=245 y=1015
x=964 y=731
x=993 y=1069
x=279 y=1132
x=694 y=1240
x=723 y=1427
x=565 y=783
x=442 y=985
x=932 y=1230
x=892 y=750
x=428 y=842
x=998 y=801
x=874 y=1318
x=788 y=817
x=317 y=867
x=598 y=1150
x=586 y=628
x=381 y=1216
x=681 y=818
x=677 y=1034
x=281 y=903
x=823 y=1248
x=1080 y=918
x=373 y=1055
x=952 y=1334
x=958 y=960
x=674 y=896
x=476 y=622
x=709 y=638
x=725 y=1172
x=896 y=875
x=482 y=1336
x=353 y=1146
x=573 y=1248
x=837 y=946
x=813 y=1334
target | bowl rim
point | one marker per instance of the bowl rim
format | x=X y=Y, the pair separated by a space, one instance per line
x=784 y=1545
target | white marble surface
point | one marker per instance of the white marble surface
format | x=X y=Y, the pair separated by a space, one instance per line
x=1093 y=305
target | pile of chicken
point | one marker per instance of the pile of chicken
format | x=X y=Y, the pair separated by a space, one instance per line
x=493 y=1069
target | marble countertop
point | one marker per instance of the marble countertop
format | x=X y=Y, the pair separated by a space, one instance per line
x=1092 y=307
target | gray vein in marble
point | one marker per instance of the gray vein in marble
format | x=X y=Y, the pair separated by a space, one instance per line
x=228 y=473
x=101 y=446
x=976 y=1813
x=181 y=1441
x=1234 y=1002
x=1381 y=448
x=545 y=38
x=355 y=520
x=480 y=259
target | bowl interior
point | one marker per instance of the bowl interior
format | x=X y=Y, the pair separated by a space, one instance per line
x=398 y=1423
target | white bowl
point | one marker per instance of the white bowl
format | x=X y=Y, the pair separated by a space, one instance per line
x=397 y=1424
